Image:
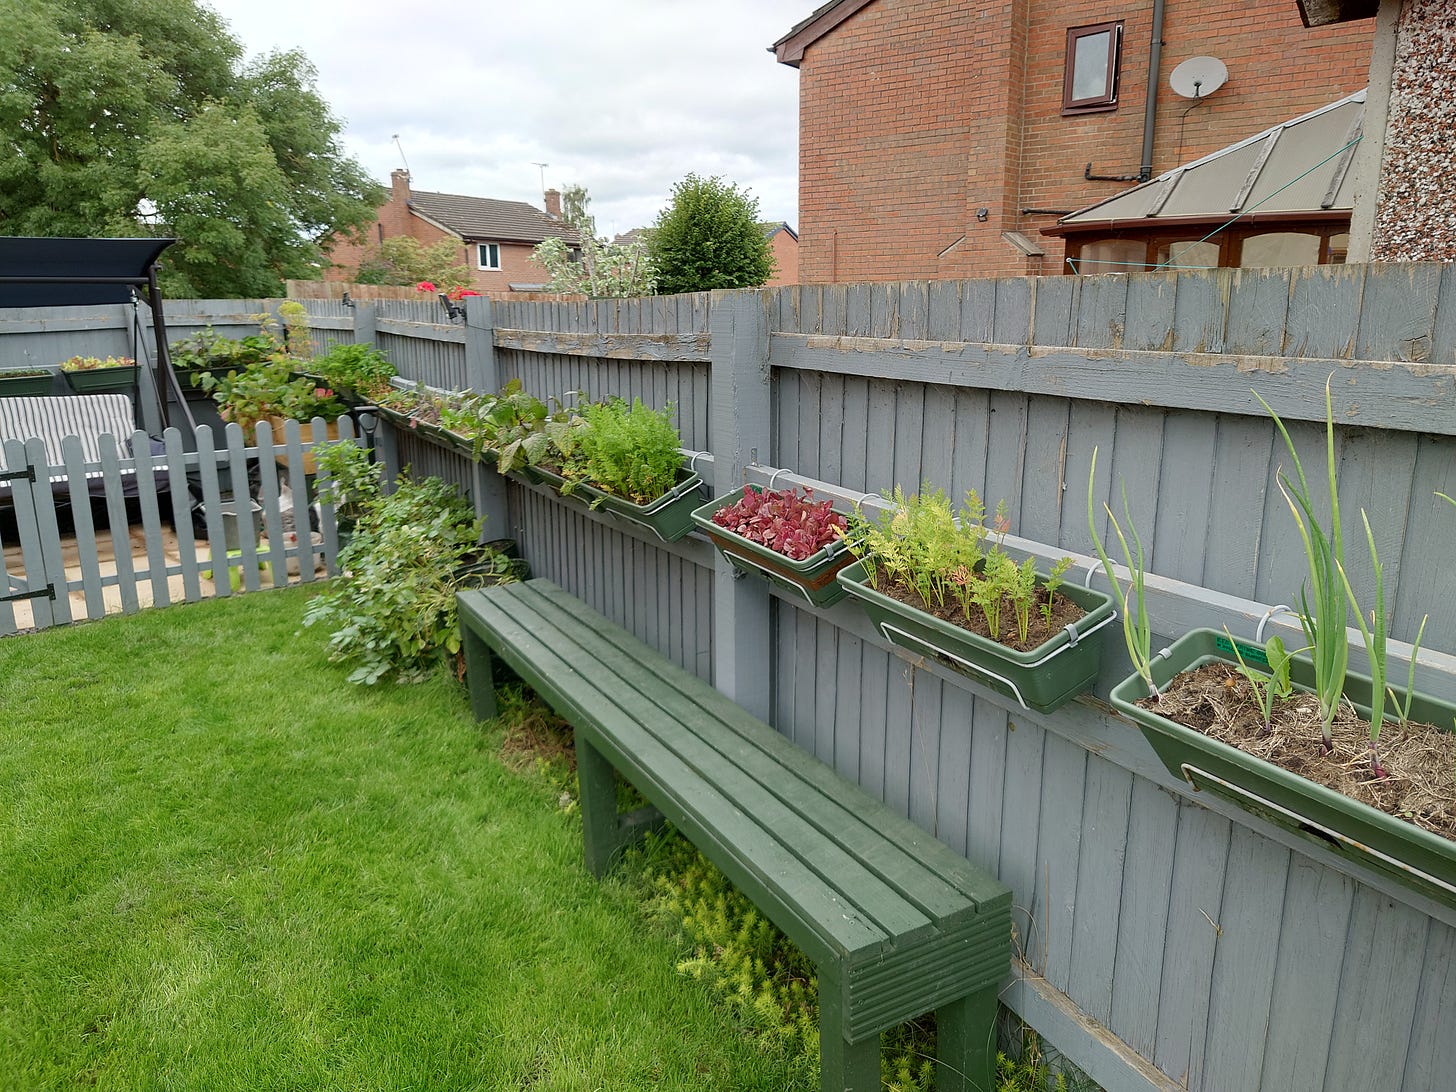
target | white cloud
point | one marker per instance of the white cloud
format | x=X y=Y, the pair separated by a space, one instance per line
x=623 y=98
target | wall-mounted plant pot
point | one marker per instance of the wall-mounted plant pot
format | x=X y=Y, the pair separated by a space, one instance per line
x=811 y=579
x=670 y=516
x=25 y=386
x=1044 y=678
x=1417 y=858
x=102 y=380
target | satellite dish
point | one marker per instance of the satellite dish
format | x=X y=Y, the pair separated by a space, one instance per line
x=1198 y=77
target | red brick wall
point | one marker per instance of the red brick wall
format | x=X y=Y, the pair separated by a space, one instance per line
x=785 y=250
x=518 y=266
x=914 y=114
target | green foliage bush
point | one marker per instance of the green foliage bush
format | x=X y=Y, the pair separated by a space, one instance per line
x=360 y=368
x=392 y=606
x=709 y=237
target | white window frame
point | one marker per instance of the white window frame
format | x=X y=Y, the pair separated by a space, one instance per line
x=482 y=250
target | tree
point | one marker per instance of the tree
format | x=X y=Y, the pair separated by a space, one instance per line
x=138 y=117
x=709 y=238
x=403 y=259
x=599 y=269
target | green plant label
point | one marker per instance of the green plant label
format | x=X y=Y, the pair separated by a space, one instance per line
x=1252 y=654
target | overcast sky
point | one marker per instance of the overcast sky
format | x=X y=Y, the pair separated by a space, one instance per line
x=625 y=98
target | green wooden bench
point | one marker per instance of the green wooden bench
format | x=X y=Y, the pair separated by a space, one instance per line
x=896 y=923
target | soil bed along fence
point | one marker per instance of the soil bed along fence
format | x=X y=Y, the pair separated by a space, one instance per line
x=1166 y=938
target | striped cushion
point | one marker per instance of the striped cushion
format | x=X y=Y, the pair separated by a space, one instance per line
x=85 y=416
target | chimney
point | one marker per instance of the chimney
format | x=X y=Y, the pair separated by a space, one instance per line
x=399 y=188
x=553 y=204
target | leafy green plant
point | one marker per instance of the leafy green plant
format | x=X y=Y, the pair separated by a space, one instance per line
x=629 y=451
x=392 y=608
x=923 y=543
x=1324 y=622
x=1132 y=605
x=1275 y=685
x=208 y=350
x=269 y=389
x=360 y=368
x=23 y=373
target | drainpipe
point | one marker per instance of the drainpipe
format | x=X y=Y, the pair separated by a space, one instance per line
x=1150 y=115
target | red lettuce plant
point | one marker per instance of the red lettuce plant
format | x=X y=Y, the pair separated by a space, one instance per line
x=790 y=522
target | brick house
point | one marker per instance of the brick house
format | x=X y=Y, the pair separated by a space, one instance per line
x=783 y=242
x=496 y=237
x=938 y=140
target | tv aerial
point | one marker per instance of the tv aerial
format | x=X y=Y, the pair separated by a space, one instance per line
x=1198 y=77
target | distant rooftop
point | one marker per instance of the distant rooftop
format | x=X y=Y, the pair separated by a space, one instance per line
x=486 y=218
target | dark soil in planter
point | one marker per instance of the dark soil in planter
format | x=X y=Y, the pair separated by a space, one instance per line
x=1420 y=759
x=1064 y=613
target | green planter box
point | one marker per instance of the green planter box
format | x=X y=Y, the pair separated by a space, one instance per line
x=1044 y=678
x=102 y=380
x=670 y=516
x=1417 y=858
x=811 y=579
x=25 y=386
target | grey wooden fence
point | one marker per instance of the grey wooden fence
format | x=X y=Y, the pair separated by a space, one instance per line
x=66 y=555
x=1166 y=940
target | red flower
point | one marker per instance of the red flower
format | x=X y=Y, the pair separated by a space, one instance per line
x=425 y=286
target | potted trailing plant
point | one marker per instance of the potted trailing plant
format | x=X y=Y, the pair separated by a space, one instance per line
x=1359 y=764
x=625 y=460
x=24 y=382
x=100 y=375
x=783 y=534
x=940 y=584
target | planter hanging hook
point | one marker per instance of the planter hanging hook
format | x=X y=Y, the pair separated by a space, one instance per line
x=693 y=461
x=1268 y=614
x=775 y=476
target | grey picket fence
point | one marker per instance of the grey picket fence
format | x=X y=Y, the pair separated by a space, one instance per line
x=86 y=539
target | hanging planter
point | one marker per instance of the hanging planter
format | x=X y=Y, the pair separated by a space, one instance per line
x=810 y=579
x=1044 y=678
x=669 y=517
x=93 y=375
x=26 y=382
x=1403 y=851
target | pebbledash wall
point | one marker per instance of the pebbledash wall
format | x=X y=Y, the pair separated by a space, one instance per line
x=1165 y=940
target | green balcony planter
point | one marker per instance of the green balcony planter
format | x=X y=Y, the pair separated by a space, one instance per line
x=811 y=579
x=1044 y=678
x=1414 y=857
x=25 y=384
x=102 y=380
x=670 y=516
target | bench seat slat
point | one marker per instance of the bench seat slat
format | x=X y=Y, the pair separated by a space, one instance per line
x=834 y=809
x=758 y=863
x=949 y=869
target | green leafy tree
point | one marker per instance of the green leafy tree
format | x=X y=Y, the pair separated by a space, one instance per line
x=137 y=117
x=709 y=237
x=598 y=269
x=403 y=259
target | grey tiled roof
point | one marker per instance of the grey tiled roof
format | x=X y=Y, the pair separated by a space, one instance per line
x=485 y=219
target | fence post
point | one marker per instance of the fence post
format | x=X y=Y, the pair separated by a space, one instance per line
x=483 y=374
x=738 y=434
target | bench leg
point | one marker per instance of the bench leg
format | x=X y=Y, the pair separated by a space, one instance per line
x=479 y=674
x=843 y=1066
x=966 y=1034
x=597 y=783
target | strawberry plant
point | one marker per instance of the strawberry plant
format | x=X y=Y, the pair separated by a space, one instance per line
x=788 y=521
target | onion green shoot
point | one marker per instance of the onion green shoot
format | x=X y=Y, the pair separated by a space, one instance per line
x=1137 y=632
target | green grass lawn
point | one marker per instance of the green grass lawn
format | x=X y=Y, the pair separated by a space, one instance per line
x=223 y=868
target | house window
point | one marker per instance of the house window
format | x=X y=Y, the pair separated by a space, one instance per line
x=1090 y=80
x=488 y=255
